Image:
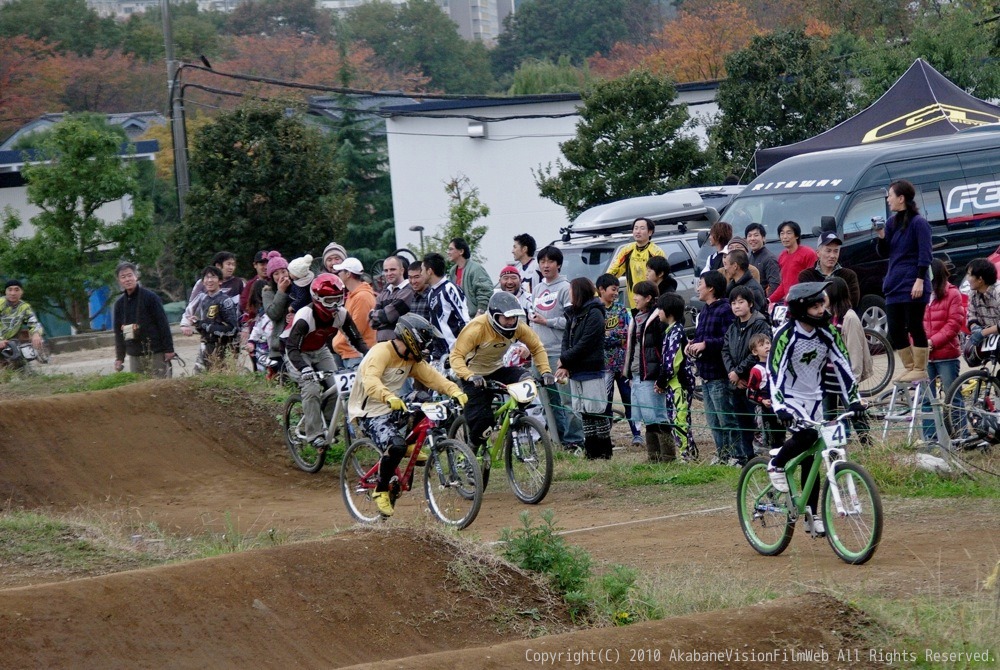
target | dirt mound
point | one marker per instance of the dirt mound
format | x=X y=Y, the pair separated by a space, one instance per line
x=358 y=597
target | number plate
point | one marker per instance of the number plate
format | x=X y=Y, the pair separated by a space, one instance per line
x=523 y=391
x=344 y=381
x=835 y=435
x=990 y=343
x=435 y=411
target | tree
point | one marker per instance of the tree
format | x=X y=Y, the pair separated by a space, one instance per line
x=419 y=36
x=549 y=29
x=73 y=249
x=536 y=77
x=110 y=81
x=692 y=47
x=782 y=88
x=629 y=142
x=32 y=77
x=464 y=209
x=264 y=179
x=69 y=24
x=274 y=17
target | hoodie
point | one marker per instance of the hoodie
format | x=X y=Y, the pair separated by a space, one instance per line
x=736 y=348
x=550 y=300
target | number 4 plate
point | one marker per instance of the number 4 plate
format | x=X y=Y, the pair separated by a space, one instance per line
x=835 y=435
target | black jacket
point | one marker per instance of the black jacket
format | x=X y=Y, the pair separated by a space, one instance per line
x=747 y=280
x=850 y=278
x=144 y=309
x=649 y=343
x=736 y=350
x=583 y=339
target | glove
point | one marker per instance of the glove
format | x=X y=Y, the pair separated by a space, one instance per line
x=307 y=374
x=977 y=335
x=785 y=417
x=548 y=379
x=461 y=398
x=478 y=381
x=858 y=409
x=396 y=403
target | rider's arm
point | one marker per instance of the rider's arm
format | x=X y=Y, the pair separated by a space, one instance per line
x=372 y=370
x=353 y=335
x=425 y=373
x=620 y=263
x=293 y=345
x=467 y=341
x=539 y=357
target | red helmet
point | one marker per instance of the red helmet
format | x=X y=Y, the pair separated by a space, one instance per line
x=327 y=294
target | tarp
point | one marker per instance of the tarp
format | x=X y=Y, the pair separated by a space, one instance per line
x=922 y=103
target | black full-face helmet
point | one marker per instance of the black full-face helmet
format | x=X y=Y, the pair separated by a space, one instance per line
x=804 y=295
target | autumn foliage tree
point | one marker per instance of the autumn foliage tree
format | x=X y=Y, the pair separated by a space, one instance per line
x=692 y=47
x=32 y=78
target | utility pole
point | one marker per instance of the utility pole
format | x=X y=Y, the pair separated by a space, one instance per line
x=178 y=133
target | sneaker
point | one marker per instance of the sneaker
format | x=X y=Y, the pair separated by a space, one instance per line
x=638 y=441
x=574 y=448
x=319 y=442
x=383 y=502
x=777 y=476
x=818 y=529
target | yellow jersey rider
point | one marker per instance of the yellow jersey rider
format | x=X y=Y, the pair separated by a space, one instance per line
x=631 y=260
x=478 y=355
x=375 y=395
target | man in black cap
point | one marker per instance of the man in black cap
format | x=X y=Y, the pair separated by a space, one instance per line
x=828 y=265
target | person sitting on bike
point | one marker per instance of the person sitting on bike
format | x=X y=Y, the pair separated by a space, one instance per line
x=375 y=395
x=802 y=347
x=478 y=356
x=16 y=315
x=307 y=347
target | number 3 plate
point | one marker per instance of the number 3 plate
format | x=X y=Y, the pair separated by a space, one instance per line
x=835 y=435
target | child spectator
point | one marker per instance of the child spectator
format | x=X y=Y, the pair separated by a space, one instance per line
x=260 y=332
x=739 y=361
x=676 y=381
x=302 y=278
x=943 y=321
x=759 y=392
x=643 y=363
x=615 y=336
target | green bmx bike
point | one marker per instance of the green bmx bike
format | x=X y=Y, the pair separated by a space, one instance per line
x=850 y=502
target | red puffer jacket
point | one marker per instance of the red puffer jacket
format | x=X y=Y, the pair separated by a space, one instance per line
x=943 y=320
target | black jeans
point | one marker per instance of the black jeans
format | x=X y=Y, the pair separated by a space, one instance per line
x=906 y=320
x=479 y=408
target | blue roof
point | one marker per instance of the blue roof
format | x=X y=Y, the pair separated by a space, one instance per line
x=19 y=156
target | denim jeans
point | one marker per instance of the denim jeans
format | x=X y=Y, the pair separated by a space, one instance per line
x=720 y=418
x=625 y=391
x=568 y=423
x=943 y=374
x=746 y=419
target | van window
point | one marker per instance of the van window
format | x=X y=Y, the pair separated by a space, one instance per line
x=677 y=255
x=590 y=262
x=866 y=205
x=806 y=209
x=929 y=203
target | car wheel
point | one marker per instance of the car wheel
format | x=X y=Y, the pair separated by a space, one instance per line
x=872 y=311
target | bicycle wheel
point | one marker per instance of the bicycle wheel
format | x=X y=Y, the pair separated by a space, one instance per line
x=305 y=455
x=977 y=391
x=853 y=535
x=527 y=456
x=358 y=479
x=883 y=364
x=763 y=510
x=453 y=483
x=459 y=430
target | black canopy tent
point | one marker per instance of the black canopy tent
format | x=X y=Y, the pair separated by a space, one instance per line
x=922 y=103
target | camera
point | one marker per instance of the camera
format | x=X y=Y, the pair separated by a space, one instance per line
x=878 y=222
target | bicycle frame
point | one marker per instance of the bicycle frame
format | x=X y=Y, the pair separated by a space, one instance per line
x=502 y=417
x=423 y=432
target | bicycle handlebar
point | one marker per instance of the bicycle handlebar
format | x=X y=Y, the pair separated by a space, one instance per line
x=816 y=424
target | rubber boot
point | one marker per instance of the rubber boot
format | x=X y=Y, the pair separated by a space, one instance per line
x=906 y=355
x=652 y=444
x=668 y=450
x=919 y=371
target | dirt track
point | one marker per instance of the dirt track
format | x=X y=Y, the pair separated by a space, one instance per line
x=161 y=452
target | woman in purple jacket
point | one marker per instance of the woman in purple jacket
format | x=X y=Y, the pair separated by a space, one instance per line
x=906 y=240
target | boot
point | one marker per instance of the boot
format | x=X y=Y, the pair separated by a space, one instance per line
x=919 y=371
x=906 y=355
x=652 y=444
x=668 y=450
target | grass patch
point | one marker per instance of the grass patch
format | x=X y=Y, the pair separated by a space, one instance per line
x=232 y=540
x=896 y=473
x=627 y=472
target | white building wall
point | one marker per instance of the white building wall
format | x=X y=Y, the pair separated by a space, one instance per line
x=17 y=198
x=425 y=153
